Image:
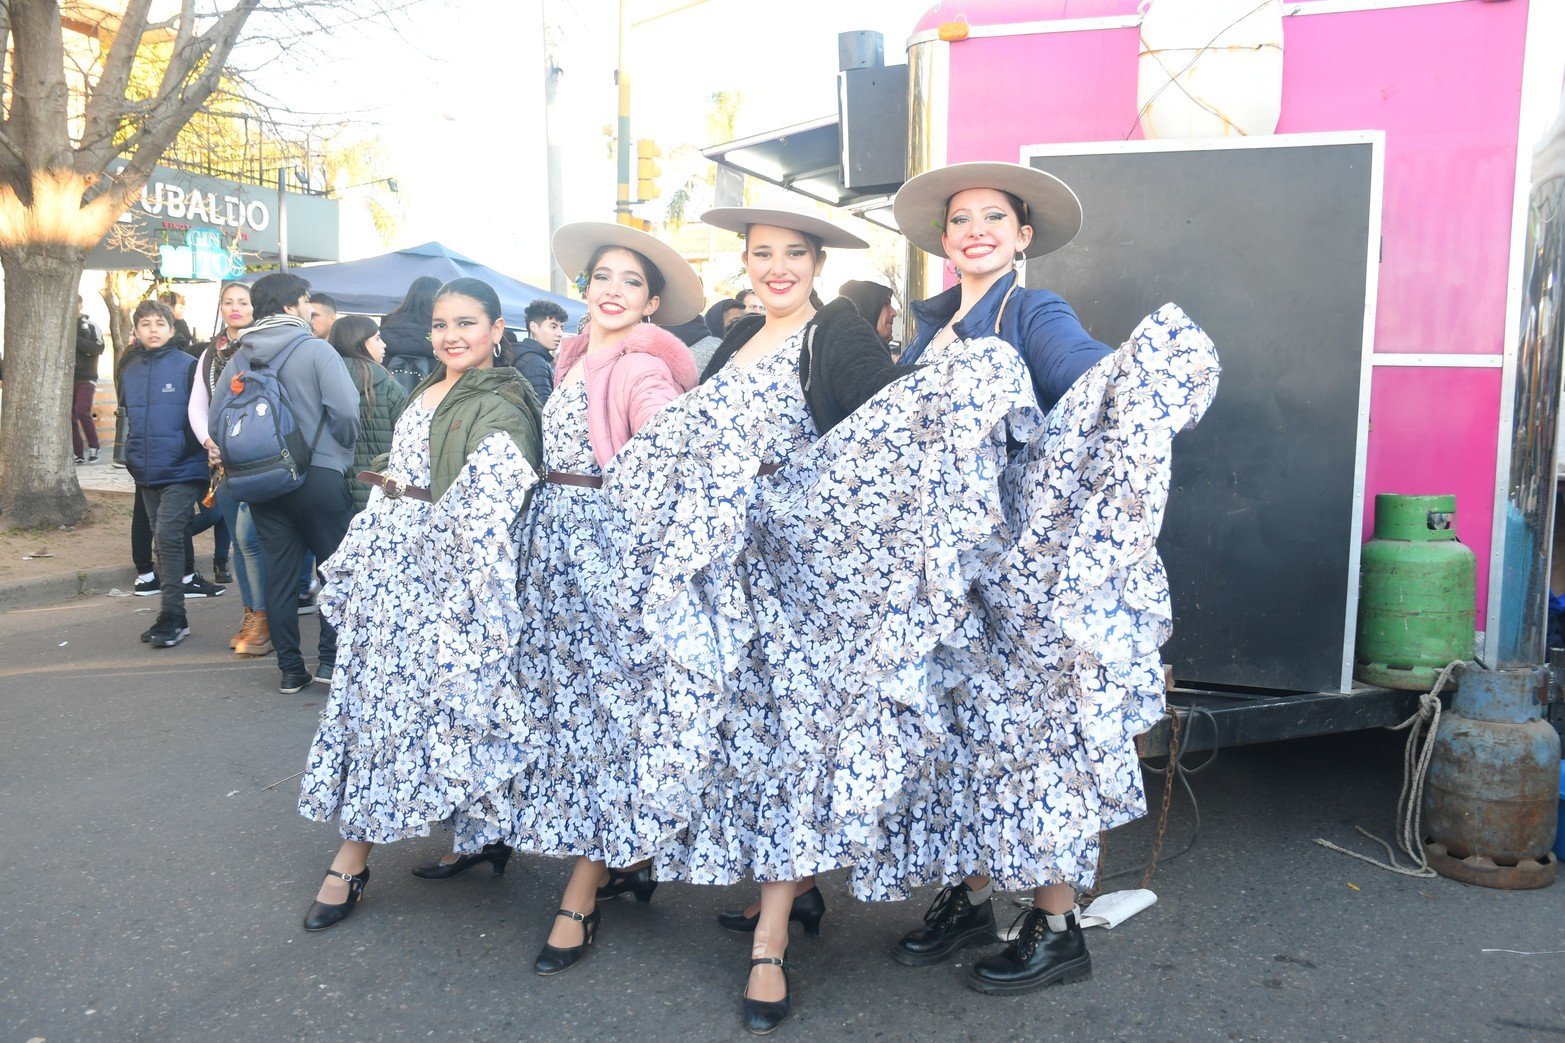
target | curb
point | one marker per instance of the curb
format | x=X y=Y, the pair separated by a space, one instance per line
x=82 y=583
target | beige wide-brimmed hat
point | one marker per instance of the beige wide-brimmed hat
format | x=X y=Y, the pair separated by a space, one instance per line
x=740 y=218
x=682 y=298
x=1052 y=208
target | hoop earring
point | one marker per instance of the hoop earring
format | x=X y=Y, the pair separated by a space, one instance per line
x=497 y=350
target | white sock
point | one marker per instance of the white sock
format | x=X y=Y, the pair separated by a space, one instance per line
x=188 y=578
x=146 y=577
x=1058 y=922
x=982 y=895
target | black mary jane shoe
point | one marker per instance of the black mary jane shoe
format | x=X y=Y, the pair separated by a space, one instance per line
x=762 y=1017
x=951 y=922
x=322 y=915
x=1042 y=953
x=553 y=959
x=807 y=909
x=638 y=882
x=496 y=854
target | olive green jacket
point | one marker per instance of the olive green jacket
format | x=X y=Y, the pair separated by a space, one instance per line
x=482 y=402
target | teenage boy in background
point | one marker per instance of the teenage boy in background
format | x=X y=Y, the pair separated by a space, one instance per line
x=163 y=456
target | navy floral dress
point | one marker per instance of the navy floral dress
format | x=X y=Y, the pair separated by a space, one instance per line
x=582 y=662
x=924 y=646
x=424 y=599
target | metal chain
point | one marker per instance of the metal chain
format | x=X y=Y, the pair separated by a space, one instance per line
x=1169 y=779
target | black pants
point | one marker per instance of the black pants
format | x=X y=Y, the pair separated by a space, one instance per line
x=169 y=507
x=141 y=540
x=313 y=519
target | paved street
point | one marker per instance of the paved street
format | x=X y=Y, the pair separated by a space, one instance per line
x=152 y=887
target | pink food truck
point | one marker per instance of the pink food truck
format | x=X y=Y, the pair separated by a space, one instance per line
x=1379 y=272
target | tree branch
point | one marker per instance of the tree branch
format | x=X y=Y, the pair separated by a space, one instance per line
x=210 y=51
x=106 y=102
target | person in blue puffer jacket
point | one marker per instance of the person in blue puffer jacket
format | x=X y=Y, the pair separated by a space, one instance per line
x=163 y=456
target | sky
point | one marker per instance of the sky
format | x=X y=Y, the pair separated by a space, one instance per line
x=458 y=102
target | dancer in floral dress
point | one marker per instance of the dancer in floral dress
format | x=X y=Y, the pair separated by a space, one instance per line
x=1049 y=669
x=583 y=659
x=742 y=766
x=423 y=592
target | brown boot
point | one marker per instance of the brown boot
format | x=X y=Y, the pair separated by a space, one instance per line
x=259 y=641
x=244 y=629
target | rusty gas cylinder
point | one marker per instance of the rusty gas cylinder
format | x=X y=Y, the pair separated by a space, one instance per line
x=1492 y=793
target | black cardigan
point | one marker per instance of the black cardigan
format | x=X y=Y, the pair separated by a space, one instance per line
x=842 y=365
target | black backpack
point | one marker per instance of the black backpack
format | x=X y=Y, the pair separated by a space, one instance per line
x=410 y=370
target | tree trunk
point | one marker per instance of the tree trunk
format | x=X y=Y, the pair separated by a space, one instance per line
x=38 y=486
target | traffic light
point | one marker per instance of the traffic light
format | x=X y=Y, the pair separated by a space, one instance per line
x=647 y=170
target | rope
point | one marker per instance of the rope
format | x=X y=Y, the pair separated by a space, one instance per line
x=1420 y=748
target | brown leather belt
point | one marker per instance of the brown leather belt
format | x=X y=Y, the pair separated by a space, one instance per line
x=583 y=481
x=394 y=489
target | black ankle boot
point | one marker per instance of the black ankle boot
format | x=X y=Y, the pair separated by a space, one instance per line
x=322 y=915
x=951 y=922
x=1047 y=949
x=496 y=854
x=554 y=959
x=807 y=910
x=638 y=882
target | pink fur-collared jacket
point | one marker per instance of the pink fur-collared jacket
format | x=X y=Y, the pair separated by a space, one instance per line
x=628 y=382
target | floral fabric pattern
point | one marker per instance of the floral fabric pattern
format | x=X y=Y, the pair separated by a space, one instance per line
x=924 y=647
x=424 y=599
x=582 y=660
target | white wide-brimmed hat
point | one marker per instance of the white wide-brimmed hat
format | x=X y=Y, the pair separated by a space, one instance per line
x=740 y=218
x=682 y=298
x=1052 y=208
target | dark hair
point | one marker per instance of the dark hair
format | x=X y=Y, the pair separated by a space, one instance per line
x=541 y=310
x=152 y=307
x=171 y=298
x=655 y=281
x=1018 y=207
x=324 y=298
x=348 y=335
x=869 y=298
x=235 y=286
x=741 y=295
x=477 y=289
x=419 y=301
x=272 y=293
x=817 y=245
x=717 y=312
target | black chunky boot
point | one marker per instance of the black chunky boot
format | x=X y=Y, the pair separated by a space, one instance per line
x=951 y=922
x=1049 y=948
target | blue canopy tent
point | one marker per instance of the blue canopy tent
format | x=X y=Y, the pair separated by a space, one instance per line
x=375 y=285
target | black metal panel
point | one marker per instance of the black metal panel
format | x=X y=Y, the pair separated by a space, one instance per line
x=1225 y=719
x=872 y=117
x=1267 y=249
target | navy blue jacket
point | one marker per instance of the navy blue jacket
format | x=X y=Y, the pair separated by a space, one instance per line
x=160 y=448
x=1037 y=323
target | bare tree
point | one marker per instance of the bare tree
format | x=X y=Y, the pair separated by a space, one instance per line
x=71 y=111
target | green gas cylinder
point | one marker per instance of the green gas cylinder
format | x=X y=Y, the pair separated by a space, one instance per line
x=1416 y=595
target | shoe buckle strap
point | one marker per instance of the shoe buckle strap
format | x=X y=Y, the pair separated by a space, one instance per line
x=578 y=917
x=770 y=961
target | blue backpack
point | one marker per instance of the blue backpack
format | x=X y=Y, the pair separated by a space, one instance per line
x=264 y=452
